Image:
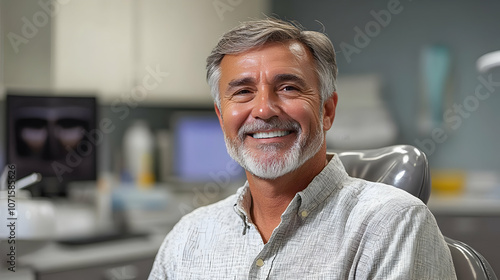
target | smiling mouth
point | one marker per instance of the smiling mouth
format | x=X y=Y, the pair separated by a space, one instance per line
x=270 y=134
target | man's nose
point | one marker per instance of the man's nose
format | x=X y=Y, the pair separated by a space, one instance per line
x=266 y=104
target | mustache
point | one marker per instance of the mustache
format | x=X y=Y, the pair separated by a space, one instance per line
x=272 y=124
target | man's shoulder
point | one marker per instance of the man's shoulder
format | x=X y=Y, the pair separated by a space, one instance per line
x=196 y=235
x=377 y=206
x=380 y=195
x=218 y=211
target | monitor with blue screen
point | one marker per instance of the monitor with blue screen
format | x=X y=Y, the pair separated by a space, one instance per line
x=200 y=153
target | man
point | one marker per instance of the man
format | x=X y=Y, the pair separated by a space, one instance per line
x=299 y=215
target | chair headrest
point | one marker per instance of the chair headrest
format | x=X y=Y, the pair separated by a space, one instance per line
x=402 y=166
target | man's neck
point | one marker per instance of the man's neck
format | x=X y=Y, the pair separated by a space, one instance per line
x=270 y=198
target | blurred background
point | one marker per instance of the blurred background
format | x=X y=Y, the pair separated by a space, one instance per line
x=131 y=74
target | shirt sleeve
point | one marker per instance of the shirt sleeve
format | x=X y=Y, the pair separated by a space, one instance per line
x=406 y=244
x=159 y=270
x=165 y=262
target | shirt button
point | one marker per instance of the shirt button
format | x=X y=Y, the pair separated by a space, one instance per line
x=304 y=213
x=259 y=262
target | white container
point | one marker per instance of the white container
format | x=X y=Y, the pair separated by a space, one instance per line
x=138 y=149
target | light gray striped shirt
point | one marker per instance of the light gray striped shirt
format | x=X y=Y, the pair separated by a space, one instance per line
x=339 y=227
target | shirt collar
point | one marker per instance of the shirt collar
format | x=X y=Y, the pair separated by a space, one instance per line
x=243 y=202
x=320 y=188
x=323 y=185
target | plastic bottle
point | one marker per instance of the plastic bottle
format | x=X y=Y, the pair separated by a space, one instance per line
x=138 y=153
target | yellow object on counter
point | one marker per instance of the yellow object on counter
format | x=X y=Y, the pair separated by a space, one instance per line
x=448 y=182
x=145 y=178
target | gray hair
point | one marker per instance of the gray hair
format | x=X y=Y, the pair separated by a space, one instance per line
x=257 y=33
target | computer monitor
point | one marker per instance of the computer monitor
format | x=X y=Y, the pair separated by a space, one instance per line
x=199 y=151
x=50 y=135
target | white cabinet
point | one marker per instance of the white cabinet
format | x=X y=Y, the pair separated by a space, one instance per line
x=148 y=51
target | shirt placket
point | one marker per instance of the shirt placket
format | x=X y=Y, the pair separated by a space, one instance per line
x=263 y=263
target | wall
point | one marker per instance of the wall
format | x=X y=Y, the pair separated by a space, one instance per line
x=155 y=49
x=113 y=46
x=26 y=44
x=468 y=28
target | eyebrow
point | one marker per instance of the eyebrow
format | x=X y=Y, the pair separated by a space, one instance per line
x=239 y=82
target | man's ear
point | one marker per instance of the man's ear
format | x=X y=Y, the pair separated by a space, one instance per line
x=219 y=115
x=329 y=107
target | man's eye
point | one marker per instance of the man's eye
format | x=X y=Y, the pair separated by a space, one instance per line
x=289 y=88
x=243 y=91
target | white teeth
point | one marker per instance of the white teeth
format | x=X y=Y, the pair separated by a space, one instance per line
x=270 y=134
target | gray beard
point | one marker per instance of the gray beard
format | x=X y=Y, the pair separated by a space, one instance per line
x=270 y=165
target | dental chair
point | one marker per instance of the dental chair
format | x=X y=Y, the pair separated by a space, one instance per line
x=406 y=167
